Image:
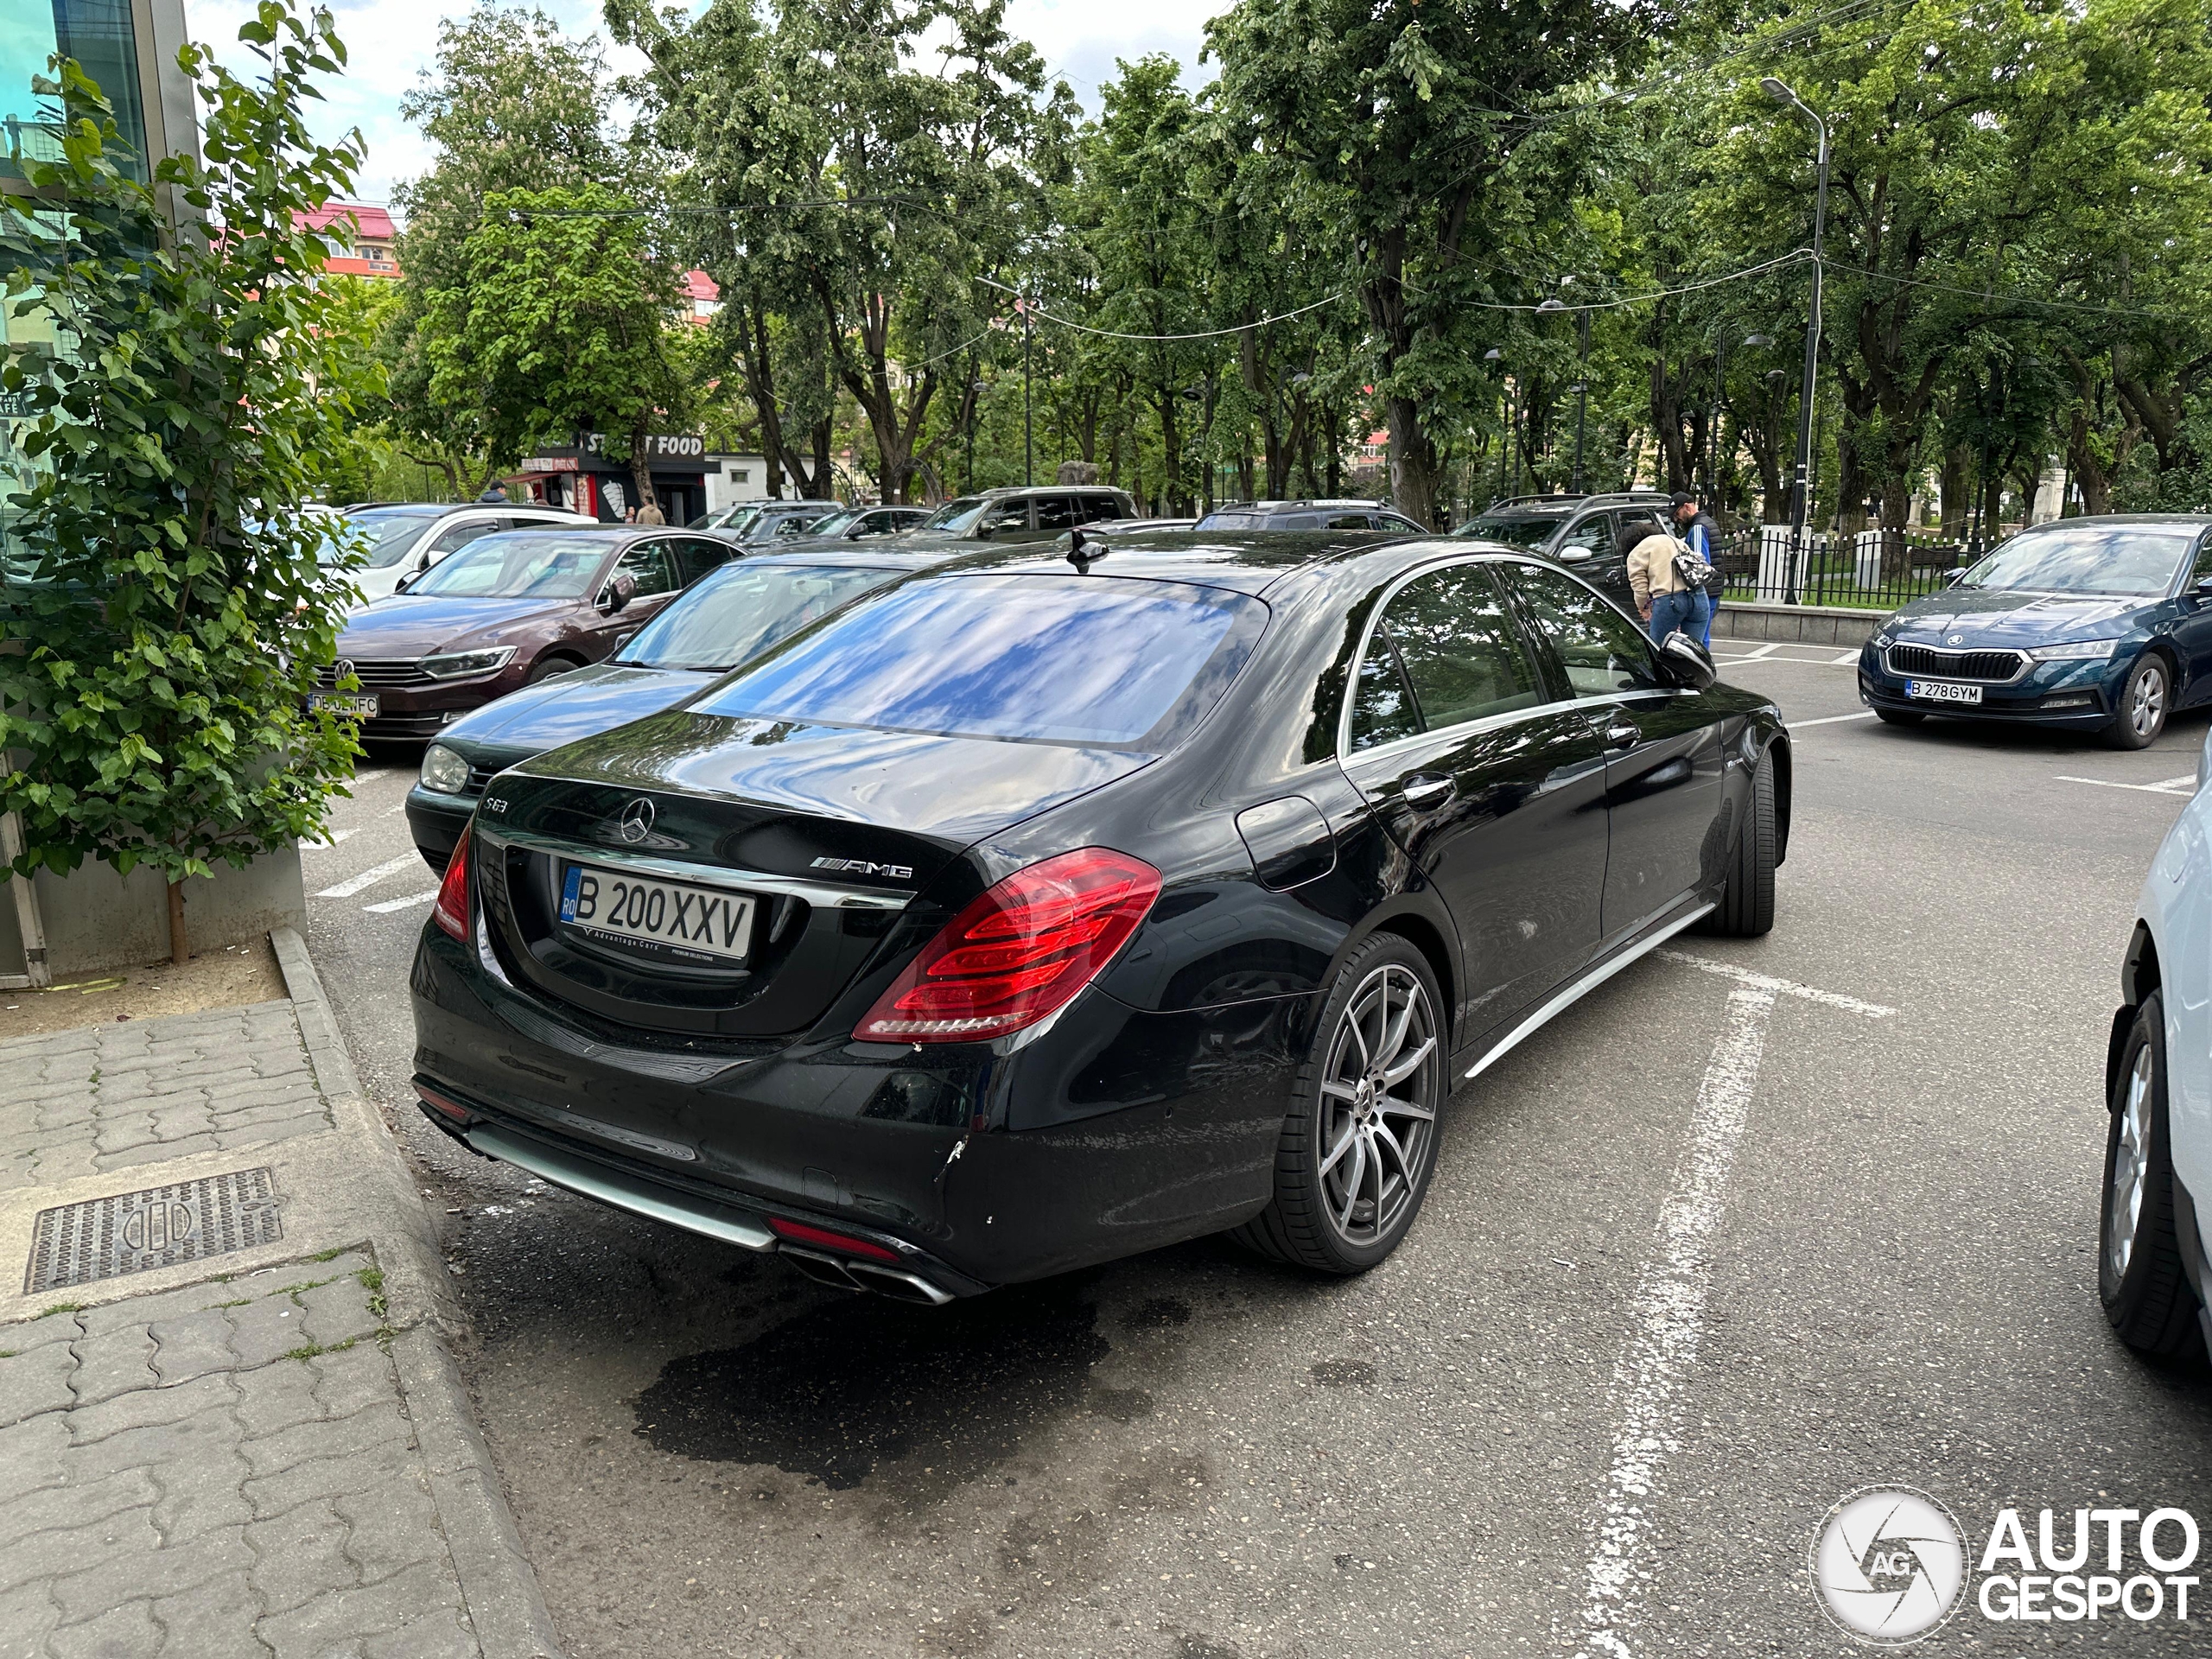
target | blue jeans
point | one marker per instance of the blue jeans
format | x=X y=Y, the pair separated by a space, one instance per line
x=1690 y=611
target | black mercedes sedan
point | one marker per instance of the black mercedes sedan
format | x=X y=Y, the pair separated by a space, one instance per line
x=1040 y=910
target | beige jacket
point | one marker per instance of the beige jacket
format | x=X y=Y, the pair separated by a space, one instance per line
x=1651 y=567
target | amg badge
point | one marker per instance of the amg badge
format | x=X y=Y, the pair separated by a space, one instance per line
x=861 y=867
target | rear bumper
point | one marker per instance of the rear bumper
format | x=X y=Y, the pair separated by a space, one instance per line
x=1114 y=1133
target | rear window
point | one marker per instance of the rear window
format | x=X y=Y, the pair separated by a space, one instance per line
x=1513 y=532
x=1046 y=658
x=1233 y=521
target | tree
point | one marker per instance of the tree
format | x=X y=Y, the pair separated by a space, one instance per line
x=559 y=325
x=854 y=188
x=176 y=615
x=515 y=104
x=1407 y=122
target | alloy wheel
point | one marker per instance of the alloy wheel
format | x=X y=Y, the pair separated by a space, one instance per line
x=2130 y=1163
x=2146 y=709
x=1380 y=1089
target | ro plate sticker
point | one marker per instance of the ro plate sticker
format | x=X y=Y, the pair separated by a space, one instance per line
x=569 y=889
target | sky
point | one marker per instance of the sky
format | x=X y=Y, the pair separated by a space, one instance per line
x=390 y=42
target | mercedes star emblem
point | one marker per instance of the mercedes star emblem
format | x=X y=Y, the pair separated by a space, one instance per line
x=637 y=822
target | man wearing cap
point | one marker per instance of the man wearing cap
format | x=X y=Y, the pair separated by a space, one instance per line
x=1695 y=526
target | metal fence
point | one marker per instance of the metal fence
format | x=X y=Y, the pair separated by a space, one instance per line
x=1872 y=570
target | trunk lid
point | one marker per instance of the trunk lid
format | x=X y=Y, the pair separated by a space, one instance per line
x=829 y=833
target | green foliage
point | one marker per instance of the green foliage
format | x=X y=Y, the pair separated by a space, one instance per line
x=560 y=324
x=177 y=612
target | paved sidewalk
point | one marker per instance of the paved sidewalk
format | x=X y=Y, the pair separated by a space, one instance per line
x=228 y=1421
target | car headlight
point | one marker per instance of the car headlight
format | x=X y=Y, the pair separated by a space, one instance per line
x=461 y=664
x=2079 y=651
x=1882 y=642
x=444 y=771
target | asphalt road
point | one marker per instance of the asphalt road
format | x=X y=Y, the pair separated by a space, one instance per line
x=1705 y=1256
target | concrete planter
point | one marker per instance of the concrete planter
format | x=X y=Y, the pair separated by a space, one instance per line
x=94 y=919
x=1811 y=624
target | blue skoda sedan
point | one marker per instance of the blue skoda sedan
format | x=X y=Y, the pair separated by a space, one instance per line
x=2102 y=624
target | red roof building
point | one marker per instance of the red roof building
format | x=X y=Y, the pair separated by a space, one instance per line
x=373 y=232
x=702 y=298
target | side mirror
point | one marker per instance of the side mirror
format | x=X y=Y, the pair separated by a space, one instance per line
x=1952 y=578
x=2204 y=584
x=1686 y=662
x=1572 y=556
x=400 y=587
x=615 y=597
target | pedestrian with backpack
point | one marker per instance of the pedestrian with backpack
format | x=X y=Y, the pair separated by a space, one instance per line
x=1695 y=526
x=1668 y=580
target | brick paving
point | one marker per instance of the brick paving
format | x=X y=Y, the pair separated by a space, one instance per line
x=112 y=1096
x=225 y=1469
x=275 y=1460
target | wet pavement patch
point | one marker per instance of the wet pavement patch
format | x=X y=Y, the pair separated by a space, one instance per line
x=859 y=1382
x=1159 y=1314
x=1344 y=1373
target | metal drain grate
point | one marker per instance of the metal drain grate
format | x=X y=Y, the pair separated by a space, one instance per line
x=103 y=1238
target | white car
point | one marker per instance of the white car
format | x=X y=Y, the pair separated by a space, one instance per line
x=407 y=539
x=2153 y=1243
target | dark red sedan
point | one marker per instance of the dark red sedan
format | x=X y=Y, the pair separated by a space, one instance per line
x=507 y=611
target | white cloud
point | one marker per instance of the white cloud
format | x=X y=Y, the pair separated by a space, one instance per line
x=390 y=42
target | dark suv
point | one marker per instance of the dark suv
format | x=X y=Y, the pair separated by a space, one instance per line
x=1036 y=514
x=1309 y=515
x=1581 y=530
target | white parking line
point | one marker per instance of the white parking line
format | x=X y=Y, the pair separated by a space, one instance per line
x=407 y=903
x=331 y=840
x=1668 y=1309
x=1778 y=987
x=2181 y=788
x=1829 y=719
x=370 y=877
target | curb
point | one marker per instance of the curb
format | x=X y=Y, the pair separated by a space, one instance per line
x=498 y=1584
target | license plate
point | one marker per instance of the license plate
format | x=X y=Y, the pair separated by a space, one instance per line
x=1942 y=691
x=671 y=917
x=340 y=703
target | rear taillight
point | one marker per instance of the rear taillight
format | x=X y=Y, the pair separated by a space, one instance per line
x=451 y=911
x=1019 y=952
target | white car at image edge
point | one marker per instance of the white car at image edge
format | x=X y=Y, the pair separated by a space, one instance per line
x=2152 y=1245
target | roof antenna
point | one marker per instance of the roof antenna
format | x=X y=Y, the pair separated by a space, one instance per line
x=1083 y=549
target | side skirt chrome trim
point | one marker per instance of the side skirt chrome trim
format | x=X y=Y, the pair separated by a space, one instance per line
x=610 y=1188
x=1589 y=982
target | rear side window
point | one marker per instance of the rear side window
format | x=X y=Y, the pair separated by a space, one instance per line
x=698 y=556
x=741 y=613
x=1056 y=513
x=1096 y=509
x=1047 y=658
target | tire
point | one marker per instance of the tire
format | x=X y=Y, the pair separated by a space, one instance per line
x=1321 y=1218
x=1899 y=716
x=2144 y=704
x=548 y=667
x=1746 y=907
x=2141 y=1279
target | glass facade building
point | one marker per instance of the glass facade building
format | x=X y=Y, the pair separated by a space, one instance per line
x=103 y=36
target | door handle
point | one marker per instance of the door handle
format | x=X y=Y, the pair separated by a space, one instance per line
x=1623 y=735
x=1422 y=791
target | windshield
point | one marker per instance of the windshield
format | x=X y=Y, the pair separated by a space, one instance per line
x=2086 y=559
x=518 y=564
x=388 y=535
x=743 y=609
x=1049 y=659
x=836 y=522
x=766 y=526
x=956 y=517
x=1514 y=532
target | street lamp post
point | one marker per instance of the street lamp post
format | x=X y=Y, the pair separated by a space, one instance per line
x=1504 y=415
x=1800 y=489
x=1028 y=432
x=1581 y=396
